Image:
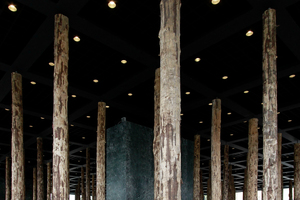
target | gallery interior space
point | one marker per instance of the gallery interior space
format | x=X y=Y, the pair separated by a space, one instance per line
x=114 y=52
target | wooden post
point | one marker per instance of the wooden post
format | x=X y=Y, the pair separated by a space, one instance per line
x=77 y=192
x=196 y=167
x=83 y=192
x=34 y=185
x=93 y=187
x=209 y=182
x=290 y=190
x=7 y=179
x=231 y=193
x=48 y=180
x=245 y=184
x=201 y=186
x=226 y=173
x=60 y=109
x=17 y=149
x=40 y=169
x=170 y=151
x=279 y=140
x=87 y=174
x=270 y=146
x=156 y=139
x=252 y=159
x=216 y=151
x=297 y=171
x=100 y=193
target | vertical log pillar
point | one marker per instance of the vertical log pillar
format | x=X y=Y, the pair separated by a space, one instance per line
x=226 y=173
x=34 y=185
x=156 y=139
x=196 y=167
x=201 y=186
x=252 y=159
x=216 y=151
x=245 y=185
x=93 y=187
x=231 y=193
x=48 y=180
x=60 y=109
x=170 y=152
x=7 y=179
x=77 y=193
x=270 y=147
x=101 y=151
x=17 y=149
x=297 y=171
x=290 y=190
x=87 y=174
x=280 y=192
x=83 y=192
x=40 y=169
x=209 y=182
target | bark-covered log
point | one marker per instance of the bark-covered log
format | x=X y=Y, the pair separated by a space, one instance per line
x=196 y=167
x=83 y=192
x=297 y=171
x=170 y=152
x=209 y=182
x=252 y=159
x=87 y=174
x=231 y=193
x=100 y=193
x=156 y=139
x=60 y=110
x=34 y=184
x=7 y=179
x=17 y=149
x=40 y=169
x=290 y=190
x=280 y=188
x=201 y=186
x=270 y=130
x=77 y=193
x=245 y=185
x=225 y=189
x=216 y=185
x=93 y=187
x=48 y=180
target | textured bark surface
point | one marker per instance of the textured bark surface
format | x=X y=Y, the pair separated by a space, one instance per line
x=209 y=182
x=93 y=187
x=7 y=179
x=231 y=193
x=245 y=185
x=77 y=192
x=48 y=180
x=226 y=173
x=60 y=110
x=201 y=186
x=196 y=190
x=170 y=152
x=17 y=149
x=297 y=171
x=100 y=193
x=34 y=185
x=252 y=159
x=270 y=129
x=83 y=192
x=216 y=186
x=290 y=190
x=87 y=174
x=156 y=131
x=280 y=179
x=40 y=169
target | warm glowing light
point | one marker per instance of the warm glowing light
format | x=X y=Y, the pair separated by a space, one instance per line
x=258 y=127
x=112 y=4
x=72 y=125
x=30 y=126
x=278 y=113
x=42 y=118
x=7 y=109
x=51 y=64
x=208 y=140
x=249 y=33
x=181 y=114
x=225 y=77
x=232 y=147
x=215 y=2
x=76 y=38
x=246 y=91
x=130 y=94
x=107 y=106
x=210 y=104
x=201 y=122
x=231 y=134
x=245 y=121
x=95 y=81
x=33 y=83
x=123 y=61
x=197 y=59
x=292 y=76
x=229 y=113
x=289 y=120
x=12 y=8
x=187 y=93
x=88 y=117
x=74 y=95
x=83 y=138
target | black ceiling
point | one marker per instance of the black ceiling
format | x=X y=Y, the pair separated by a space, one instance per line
x=215 y=33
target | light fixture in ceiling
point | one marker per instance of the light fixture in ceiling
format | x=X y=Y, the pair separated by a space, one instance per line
x=112 y=4
x=32 y=83
x=76 y=38
x=225 y=77
x=215 y=2
x=292 y=76
x=12 y=8
x=246 y=91
x=30 y=126
x=42 y=118
x=208 y=140
x=83 y=138
x=51 y=64
x=72 y=125
x=107 y=106
x=201 y=122
x=210 y=104
x=123 y=61
x=181 y=114
x=231 y=134
x=249 y=33
x=197 y=59
x=130 y=94
x=74 y=95
x=95 y=80
x=187 y=93
x=229 y=113
x=7 y=109
x=289 y=120
x=278 y=113
x=245 y=121
x=88 y=117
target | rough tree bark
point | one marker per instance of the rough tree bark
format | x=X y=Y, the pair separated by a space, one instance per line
x=101 y=151
x=83 y=192
x=17 y=149
x=231 y=193
x=216 y=185
x=7 y=179
x=48 y=180
x=290 y=190
x=156 y=139
x=226 y=173
x=196 y=167
x=93 y=187
x=245 y=185
x=60 y=110
x=252 y=159
x=34 y=185
x=40 y=169
x=170 y=151
x=209 y=182
x=77 y=192
x=87 y=174
x=297 y=171
x=270 y=129
x=201 y=186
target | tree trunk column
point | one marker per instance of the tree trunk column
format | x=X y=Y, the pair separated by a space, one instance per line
x=245 y=185
x=197 y=167
x=226 y=173
x=156 y=140
x=48 y=180
x=280 y=179
x=252 y=160
x=297 y=171
x=7 y=179
x=231 y=193
x=270 y=130
x=93 y=187
x=34 y=185
x=60 y=109
x=40 y=169
x=201 y=186
x=77 y=191
x=208 y=191
x=17 y=149
x=101 y=151
x=290 y=190
x=87 y=168
x=83 y=192
x=170 y=152
x=216 y=185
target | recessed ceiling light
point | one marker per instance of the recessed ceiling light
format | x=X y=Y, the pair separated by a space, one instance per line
x=30 y=126
x=76 y=38
x=232 y=147
x=95 y=81
x=229 y=113
x=258 y=128
x=72 y=125
x=245 y=121
x=201 y=122
x=88 y=116
x=107 y=106
x=210 y=104
x=130 y=94
x=33 y=83
x=289 y=120
x=80 y=151
x=112 y=4
x=262 y=103
x=181 y=114
x=7 y=109
x=83 y=138
x=78 y=160
x=42 y=118
x=246 y=91
x=225 y=77
x=197 y=59
x=278 y=113
x=74 y=95
x=28 y=161
x=233 y=158
x=215 y=2
x=249 y=33
x=208 y=140
x=187 y=93
x=12 y=8
x=123 y=61
x=231 y=134
x=51 y=64
x=292 y=76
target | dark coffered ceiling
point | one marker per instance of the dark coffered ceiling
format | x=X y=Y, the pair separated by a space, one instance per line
x=214 y=33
